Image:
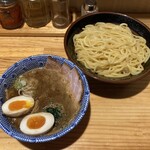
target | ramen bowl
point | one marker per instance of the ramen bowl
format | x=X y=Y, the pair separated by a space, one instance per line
x=34 y=62
x=136 y=26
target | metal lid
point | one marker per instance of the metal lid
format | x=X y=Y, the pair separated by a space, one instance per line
x=6 y=3
x=89 y=5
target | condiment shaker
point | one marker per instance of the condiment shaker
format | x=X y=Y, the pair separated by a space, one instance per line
x=60 y=13
x=89 y=6
x=10 y=14
x=36 y=12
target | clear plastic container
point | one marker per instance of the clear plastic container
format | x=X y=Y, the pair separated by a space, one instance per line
x=36 y=12
x=60 y=13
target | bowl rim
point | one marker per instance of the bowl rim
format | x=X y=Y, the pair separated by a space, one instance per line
x=91 y=75
x=45 y=138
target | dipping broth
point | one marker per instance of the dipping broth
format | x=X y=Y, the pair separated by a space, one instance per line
x=52 y=93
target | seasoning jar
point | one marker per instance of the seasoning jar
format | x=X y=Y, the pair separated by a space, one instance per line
x=60 y=13
x=36 y=12
x=10 y=14
x=89 y=6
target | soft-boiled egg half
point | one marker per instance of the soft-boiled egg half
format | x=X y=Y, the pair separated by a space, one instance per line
x=18 y=106
x=38 y=123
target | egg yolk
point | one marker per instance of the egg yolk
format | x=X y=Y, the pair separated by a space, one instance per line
x=17 y=105
x=36 y=122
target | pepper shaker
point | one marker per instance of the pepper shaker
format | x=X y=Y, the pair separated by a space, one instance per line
x=10 y=14
x=60 y=13
x=89 y=6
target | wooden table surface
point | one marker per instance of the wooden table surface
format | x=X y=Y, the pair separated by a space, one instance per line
x=118 y=117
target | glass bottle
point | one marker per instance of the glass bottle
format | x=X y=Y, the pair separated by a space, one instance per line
x=89 y=6
x=60 y=13
x=10 y=14
x=36 y=12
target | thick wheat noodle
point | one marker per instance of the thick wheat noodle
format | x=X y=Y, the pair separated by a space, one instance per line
x=111 y=50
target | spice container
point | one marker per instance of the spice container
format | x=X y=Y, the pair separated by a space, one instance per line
x=89 y=6
x=10 y=14
x=36 y=12
x=60 y=13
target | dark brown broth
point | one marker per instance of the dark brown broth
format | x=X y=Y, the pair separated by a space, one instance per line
x=49 y=88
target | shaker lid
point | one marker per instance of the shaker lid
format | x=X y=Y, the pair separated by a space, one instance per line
x=89 y=5
x=5 y=3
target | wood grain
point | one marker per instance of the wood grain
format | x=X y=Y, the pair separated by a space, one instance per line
x=118 y=116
